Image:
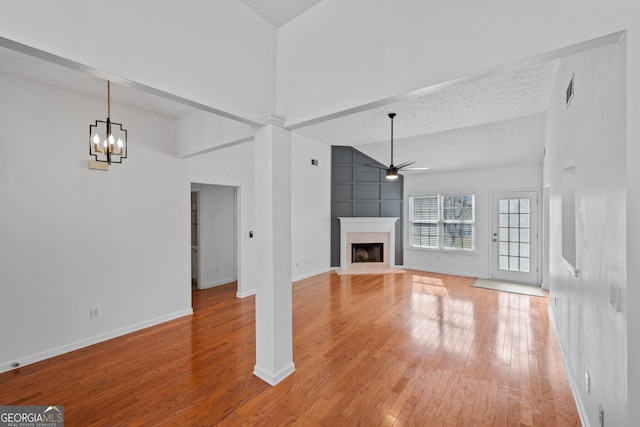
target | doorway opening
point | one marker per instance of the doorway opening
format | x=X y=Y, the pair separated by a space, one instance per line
x=214 y=235
x=194 y=238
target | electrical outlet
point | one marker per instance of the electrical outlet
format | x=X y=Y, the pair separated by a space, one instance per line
x=587 y=381
x=95 y=312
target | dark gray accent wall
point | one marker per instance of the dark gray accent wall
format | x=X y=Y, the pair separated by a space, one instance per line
x=361 y=191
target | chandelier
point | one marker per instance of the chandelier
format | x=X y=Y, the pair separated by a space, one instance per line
x=107 y=139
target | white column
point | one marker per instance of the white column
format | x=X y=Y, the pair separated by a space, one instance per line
x=272 y=242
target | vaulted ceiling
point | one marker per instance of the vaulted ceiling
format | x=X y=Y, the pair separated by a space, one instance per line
x=279 y=12
x=490 y=120
x=486 y=122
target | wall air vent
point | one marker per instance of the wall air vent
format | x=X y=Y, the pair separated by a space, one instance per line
x=570 y=91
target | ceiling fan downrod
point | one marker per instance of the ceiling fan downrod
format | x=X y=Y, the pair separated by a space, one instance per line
x=391 y=116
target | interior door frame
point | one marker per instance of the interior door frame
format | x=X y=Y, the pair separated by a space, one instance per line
x=493 y=248
x=198 y=187
x=196 y=190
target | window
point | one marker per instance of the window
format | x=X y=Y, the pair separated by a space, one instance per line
x=444 y=221
x=514 y=241
x=425 y=219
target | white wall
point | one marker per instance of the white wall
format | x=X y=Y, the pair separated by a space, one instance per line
x=217 y=235
x=57 y=261
x=633 y=226
x=218 y=53
x=200 y=131
x=72 y=238
x=311 y=193
x=310 y=207
x=233 y=166
x=481 y=182
x=341 y=55
x=592 y=131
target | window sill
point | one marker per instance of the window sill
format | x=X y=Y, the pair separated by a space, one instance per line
x=445 y=251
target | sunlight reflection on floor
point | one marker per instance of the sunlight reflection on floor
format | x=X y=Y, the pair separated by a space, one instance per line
x=440 y=322
x=429 y=285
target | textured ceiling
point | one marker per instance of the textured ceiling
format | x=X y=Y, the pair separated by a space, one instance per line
x=279 y=12
x=503 y=96
x=509 y=142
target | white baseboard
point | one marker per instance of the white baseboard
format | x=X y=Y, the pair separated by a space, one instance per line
x=57 y=351
x=307 y=275
x=273 y=378
x=440 y=271
x=572 y=380
x=245 y=293
x=218 y=283
x=293 y=279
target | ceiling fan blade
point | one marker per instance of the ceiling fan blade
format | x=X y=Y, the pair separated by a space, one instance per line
x=404 y=165
x=378 y=166
x=416 y=169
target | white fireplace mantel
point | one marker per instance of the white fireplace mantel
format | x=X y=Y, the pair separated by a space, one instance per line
x=367 y=225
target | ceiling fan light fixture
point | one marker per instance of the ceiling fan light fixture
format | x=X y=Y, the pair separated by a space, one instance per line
x=392 y=170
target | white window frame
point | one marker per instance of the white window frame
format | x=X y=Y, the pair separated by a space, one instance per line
x=442 y=223
x=435 y=222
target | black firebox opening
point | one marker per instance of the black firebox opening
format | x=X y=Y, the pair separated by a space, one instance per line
x=367 y=252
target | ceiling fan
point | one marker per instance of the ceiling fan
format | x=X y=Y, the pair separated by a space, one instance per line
x=392 y=170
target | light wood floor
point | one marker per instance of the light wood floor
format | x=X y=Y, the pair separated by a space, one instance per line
x=413 y=349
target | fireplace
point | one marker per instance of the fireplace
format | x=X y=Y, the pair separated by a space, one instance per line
x=367 y=245
x=367 y=252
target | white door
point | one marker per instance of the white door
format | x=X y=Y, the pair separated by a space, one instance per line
x=515 y=236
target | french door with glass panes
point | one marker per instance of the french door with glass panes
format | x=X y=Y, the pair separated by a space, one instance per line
x=515 y=236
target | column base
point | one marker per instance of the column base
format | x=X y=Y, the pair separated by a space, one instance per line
x=273 y=378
